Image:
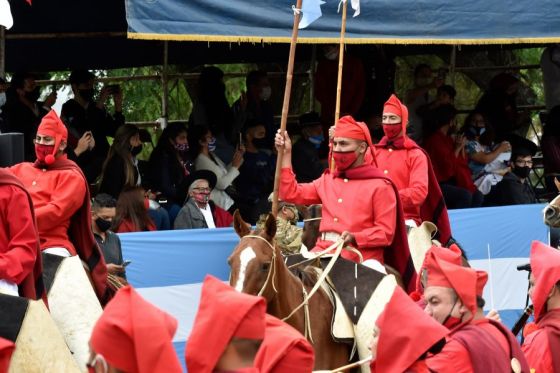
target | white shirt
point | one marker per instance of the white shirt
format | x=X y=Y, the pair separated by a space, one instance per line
x=207 y=213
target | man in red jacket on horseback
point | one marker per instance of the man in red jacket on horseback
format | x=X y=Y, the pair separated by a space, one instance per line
x=60 y=196
x=409 y=167
x=360 y=204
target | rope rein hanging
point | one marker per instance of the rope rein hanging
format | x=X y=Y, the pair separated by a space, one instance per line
x=272 y=265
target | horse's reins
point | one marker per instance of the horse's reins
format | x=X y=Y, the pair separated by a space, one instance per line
x=312 y=219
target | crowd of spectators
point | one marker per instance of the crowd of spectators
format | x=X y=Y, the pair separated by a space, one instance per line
x=223 y=159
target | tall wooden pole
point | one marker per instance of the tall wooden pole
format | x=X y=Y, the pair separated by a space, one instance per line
x=286 y=104
x=340 y=69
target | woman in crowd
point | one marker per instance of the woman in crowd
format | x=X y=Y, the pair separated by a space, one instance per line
x=487 y=161
x=121 y=166
x=169 y=165
x=203 y=147
x=132 y=212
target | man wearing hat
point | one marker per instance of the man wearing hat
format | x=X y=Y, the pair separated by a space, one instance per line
x=199 y=211
x=403 y=337
x=305 y=159
x=451 y=299
x=515 y=187
x=410 y=169
x=542 y=346
x=133 y=336
x=60 y=196
x=242 y=337
x=360 y=204
x=20 y=254
x=288 y=234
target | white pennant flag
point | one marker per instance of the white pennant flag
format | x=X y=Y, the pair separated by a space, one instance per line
x=6 y=19
x=311 y=10
x=355 y=5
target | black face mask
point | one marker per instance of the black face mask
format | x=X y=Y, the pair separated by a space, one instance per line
x=135 y=150
x=260 y=143
x=521 y=172
x=103 y=224
x=87 y=94
x=33 y=96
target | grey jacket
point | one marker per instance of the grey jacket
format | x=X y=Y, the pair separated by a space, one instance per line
x=190 y=216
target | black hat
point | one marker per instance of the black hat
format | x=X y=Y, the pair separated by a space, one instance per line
x=309 y=119
x=81 y=76
x=201 y=174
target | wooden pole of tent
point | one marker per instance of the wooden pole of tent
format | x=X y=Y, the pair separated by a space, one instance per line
x=286 y=103
x=165 y=84
x=340 y=68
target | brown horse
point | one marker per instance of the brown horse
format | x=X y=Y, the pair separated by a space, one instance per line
x=257 y=267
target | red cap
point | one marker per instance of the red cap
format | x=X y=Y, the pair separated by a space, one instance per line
x=135 y=336
x=406 y=332
x=462 y=280
x=223 y=313
x=51 y=125
x=6 y=350
x=481 y=279
x=451 y=255
x=349 y=128
x=545 y=264
x=284 y=349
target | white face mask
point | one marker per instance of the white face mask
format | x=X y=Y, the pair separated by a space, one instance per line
x=331 y=55
x=266 y=92
x=2 y=99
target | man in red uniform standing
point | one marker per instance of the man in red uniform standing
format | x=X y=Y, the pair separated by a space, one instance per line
x=410 y=169
x=360 y=204
x=451 y=297
x=20 y=257
x=61 y=200
x=542 y=346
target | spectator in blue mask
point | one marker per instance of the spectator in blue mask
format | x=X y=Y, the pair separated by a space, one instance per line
x=305 y=153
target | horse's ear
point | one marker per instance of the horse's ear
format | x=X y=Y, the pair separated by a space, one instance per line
x=241 y=227
x=270 y=226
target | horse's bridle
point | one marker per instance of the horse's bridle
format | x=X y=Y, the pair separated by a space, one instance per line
x=272 y=270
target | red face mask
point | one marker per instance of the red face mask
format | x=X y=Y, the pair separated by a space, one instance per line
x=201 y=197
x=343 y=160
x=146 y=203
x=41 y=151
x=391 y=130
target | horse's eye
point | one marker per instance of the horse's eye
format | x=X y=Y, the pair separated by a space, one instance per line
x=265 y=266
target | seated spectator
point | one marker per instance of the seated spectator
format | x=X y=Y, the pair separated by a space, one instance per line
x=515 y=188
x=255 y=105
x=419 y=95
x=132 y=212
x=22 y=112
x=256 y=178
x=103 y=211
x=550 y=144
x=199 y=210
x=203 y=144
x=120 y=169
x=445 y=95
x=82 y=114
x=488 y=161
x=211 y=109
x=170 y=164
x=305 y=153
x=449 y=161
x=132 y=335
x=498 y=105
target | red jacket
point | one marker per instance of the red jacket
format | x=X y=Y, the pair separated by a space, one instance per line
x=408 y=169
x=57 y=195
x=367 y=208
x=538 y=346
x=20 y=255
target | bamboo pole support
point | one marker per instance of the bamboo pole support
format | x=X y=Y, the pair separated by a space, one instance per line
x=286 y=104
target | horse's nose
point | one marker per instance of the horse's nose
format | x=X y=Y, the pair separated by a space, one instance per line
x=550 y=212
